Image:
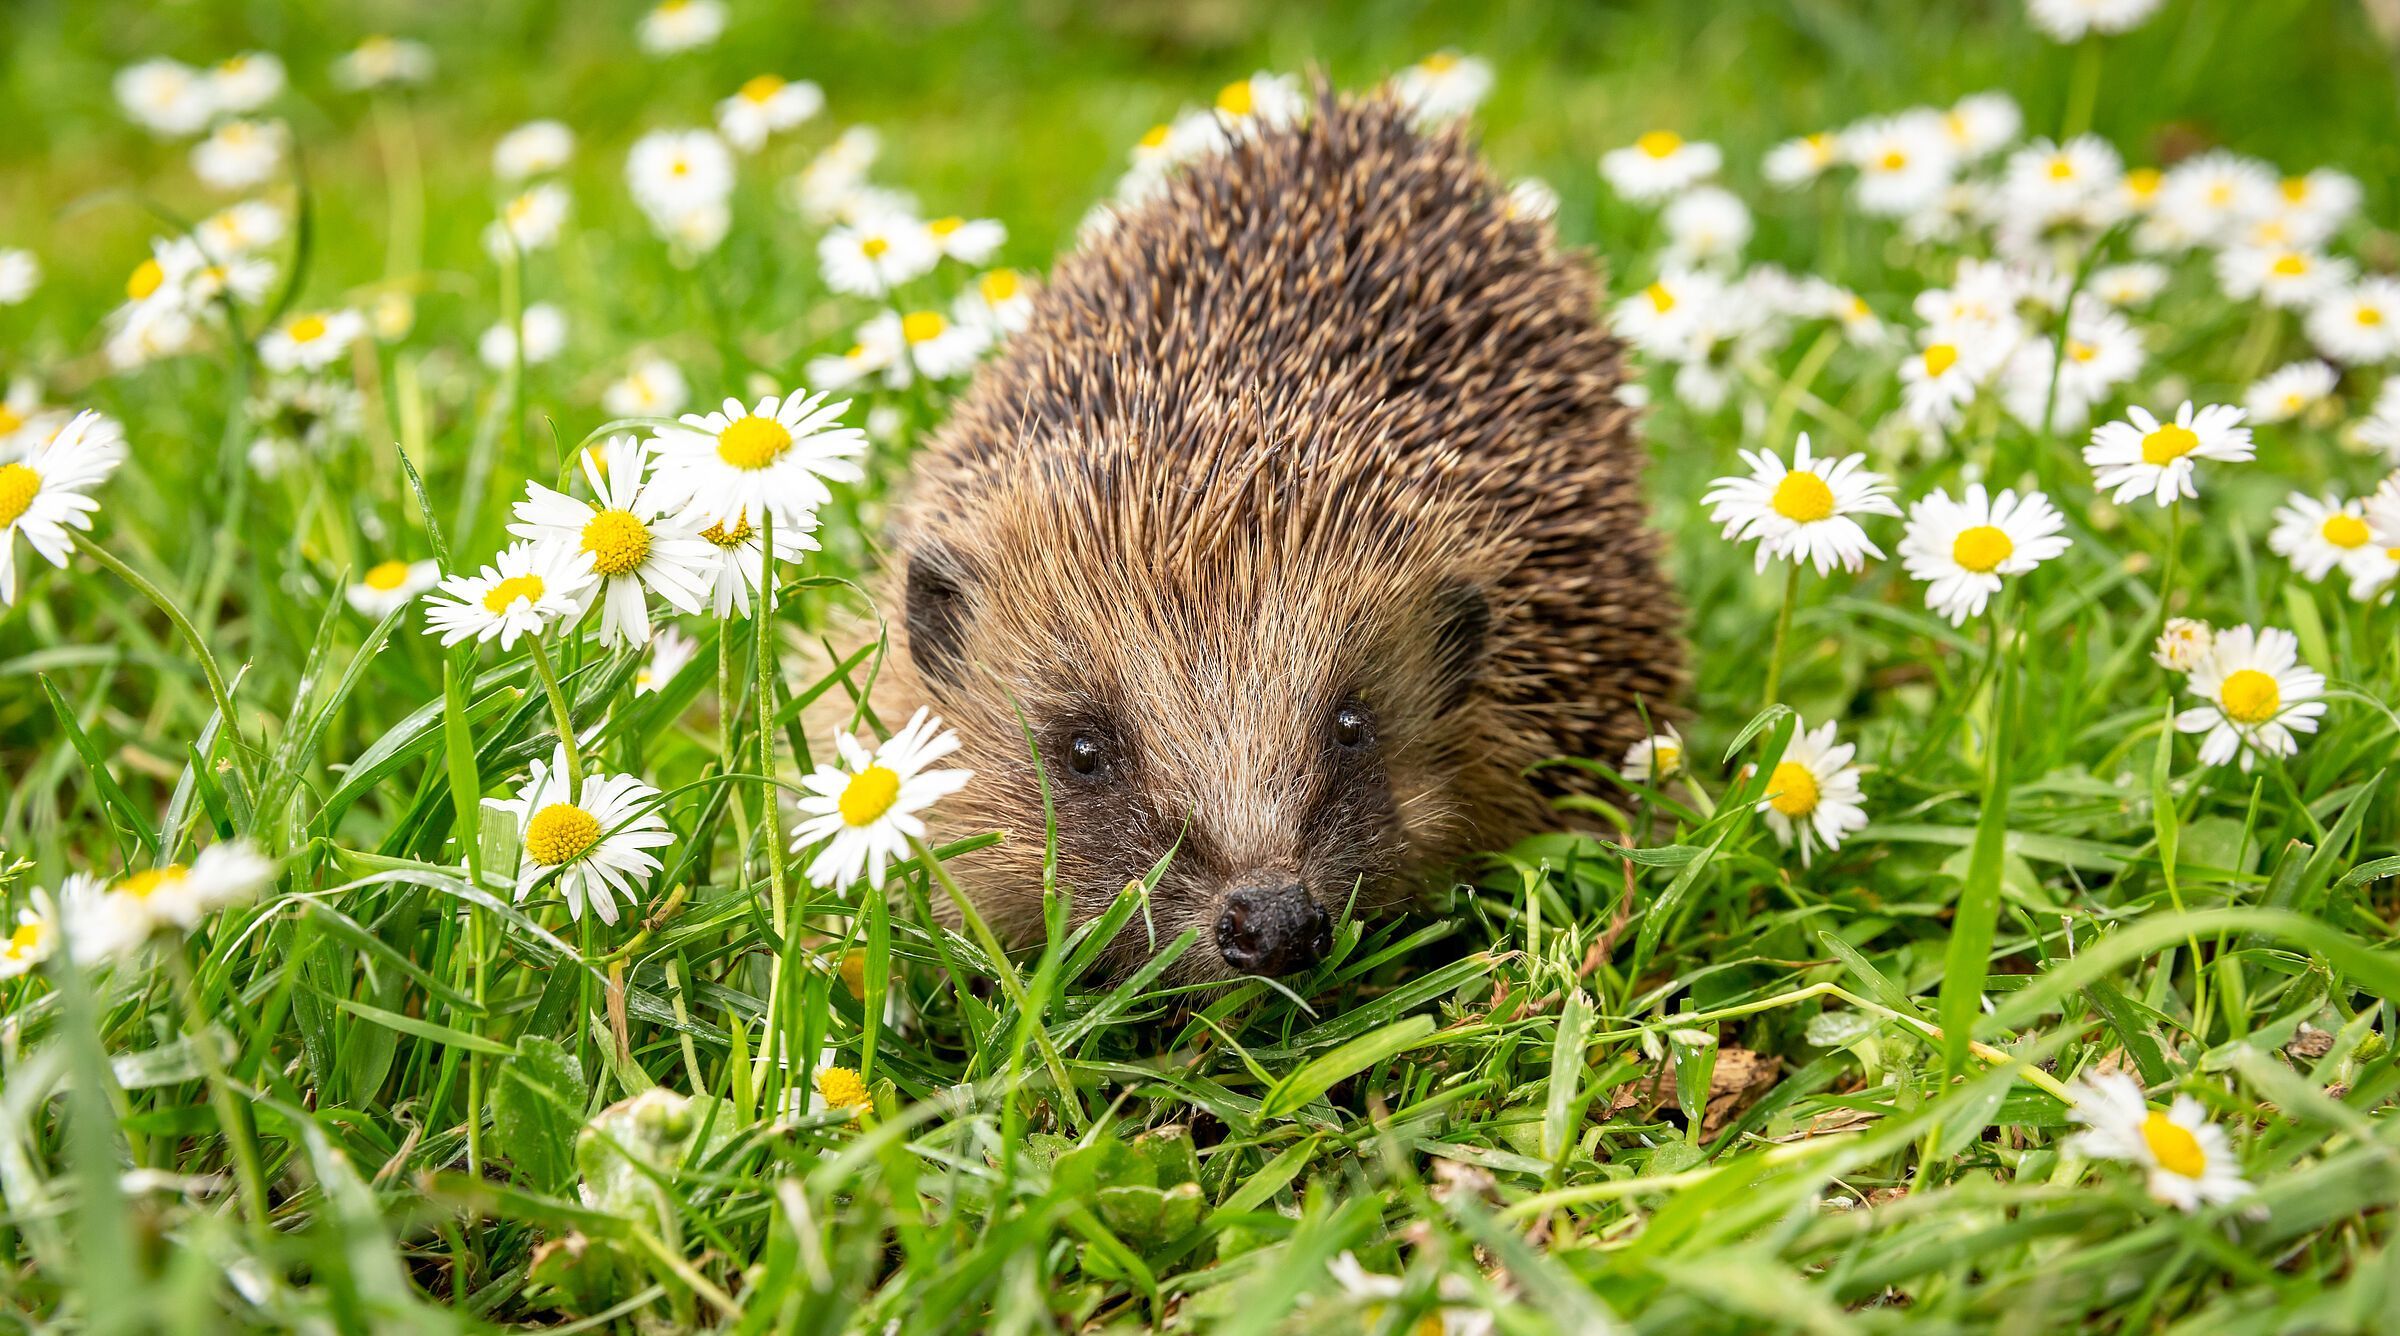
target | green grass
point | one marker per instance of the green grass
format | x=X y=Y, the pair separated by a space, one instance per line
x=409 y=1107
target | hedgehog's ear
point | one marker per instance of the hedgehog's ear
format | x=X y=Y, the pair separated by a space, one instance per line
x=937 y=613
x=1462 y=629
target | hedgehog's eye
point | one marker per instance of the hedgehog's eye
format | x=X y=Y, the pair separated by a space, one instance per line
x=1087 y=755
x=1352 y=725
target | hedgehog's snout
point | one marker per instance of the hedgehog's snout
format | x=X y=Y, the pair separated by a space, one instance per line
x=1270 y=924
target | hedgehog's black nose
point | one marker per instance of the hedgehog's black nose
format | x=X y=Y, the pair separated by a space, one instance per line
x=1271 y=926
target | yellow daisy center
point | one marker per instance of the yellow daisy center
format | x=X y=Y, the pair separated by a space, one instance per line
x=19 y=484
x=763 y=88
x=998 y=286
x=1155 y=136
x=874 y=248
x=2295 y=188
x=2250 y=697
x=387 y=575
x=869 y=794
x=10 y=420
x=24 y=939
x=2081 y=351
x=1892 y=160
x=728 y=538
x=1659 y=143
x=1803 y=498
x=2344 y=530
x=149 y=881
x=2290 y=264
x=942 y=227
x=2061 y=168
x=145 y=279
x=2220 y=194
x=1440 y=62
x=497 y=599
x=841 y=1088
x=2173 y=1146
x=306 y=329
x=560 y=833
x=753 y=442
x=1940 y=357
x=922 y=326
x=2168 y=444
x=1661 y=300
x=617 y=541
x=1795 y=789
x=2370 y=315
x=1982 y=548
x=1665 y=759
x=1237 y=99
x=2143 y=181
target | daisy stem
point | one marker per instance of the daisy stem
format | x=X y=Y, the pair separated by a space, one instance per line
x=191 y=635
x=787 y=965
x=2084 y=93
x=2166 y=579
x=1783 y=630
x=561 y=715
x=249 y=1173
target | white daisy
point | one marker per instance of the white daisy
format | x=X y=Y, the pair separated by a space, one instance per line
x=523 y=590
x=2313 y=207
x=739 y=552
x=545 y=328
x=2289 y=391
x=530 y=221
x=2380 y=428
x=1963 y=548
x=938 y=347
x=872 y=257
x=591 y=841
x=1659 y=164
x=2258 y=695
x=738 y=463
x=864 y=809
x=2316 y=535
x=109 y=920
x=2383 y=512
x=239 y=154
x=2372 y=569
x=1705 y=225
x=20 y=274
x=310 y=340
x=1531 y=199
x=826 y=189
x=2182 y=644
x=1264 y=101
x=862 y=359
x=47 y=492
x=1796 y=162
x=2280 y=276
x=383 y=62
x=166 y=96
x=764 y=105
x=1443 y=86
x=2045 y=183
x=998 y=303
x=1904 y=162
x=2143 y=456
x=2133 y=284
x=1662 y=318
x=2073 y=20
x=670 y=650
x=1655 y=759
x=2189 y=1160
x=1981 y=124
x=1940 y=379
x=680 y=25
x=238 y=229
x=673 y=172
x=2103 y=351
x=1455 y=1316
x=652 y=387
x=1813 y=796
x=2208 y=196
x=246 y=82
x=2359 y=324
x=971 y=241
x=624 y=543
x=1803 y=513
x=391 y=584
x=533 y=149
x=20 y=409
x=34 y=938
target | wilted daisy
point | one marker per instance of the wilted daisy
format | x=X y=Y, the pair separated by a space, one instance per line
x=382 y=62
x=624 y=542
x=1813 y=795
x=1265 y=100
x=872 y=257
x=652 y=387
x=545 y=328
x=530 y=221
x=239 y=154
x=2182 y=644
x=310 y=340
x=2189 y=1160
x=1705 y=225
x=2143 y=456
x=391 y=584
x=1443 y=86
x=2282 y=276
x=2258 y=695
x=2289 y=391
x=48 y=491
x=1799 y=161
x=33 y=939
x=1656 y=758
x=591 y=841
x=969 y=241
x=764 y=105
x=680 y=25
x=2359 y=324
x=1963 y=548
x=165 y=96
x=1659 y=164
x=20 y=274
x=738 y=462
x=740 y=553
x=670 y=650
x=2073 y=20
x=533 y=149
x=1803 y=512
x=523 y=590
x=246 y=82
x=864 y=809
x=2316 y=535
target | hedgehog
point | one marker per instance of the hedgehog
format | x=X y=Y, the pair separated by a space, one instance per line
x=1299 y=526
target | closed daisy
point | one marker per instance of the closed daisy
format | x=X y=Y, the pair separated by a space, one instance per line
x=2257 y=696
x=1655 y=759
x=2144 y=456
x=2189 y=1160
x=391 y=584
x=1803 y=513
x=871 y=258
x=740 y=554
x=311 y=340
x=624 y=542
x=591 y=841
x=48 y=491
x=1659 y=164
x=864 y=809
x=527 y=587
x=1963 y=548
x=1813 y=794
x=2182 y=644
x=764 y=105
x=739 y=463
x=670 y=650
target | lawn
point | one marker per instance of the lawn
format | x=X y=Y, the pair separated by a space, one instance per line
x=2002 y=939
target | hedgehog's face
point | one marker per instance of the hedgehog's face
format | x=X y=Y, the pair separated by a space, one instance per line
x=1286 y=753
